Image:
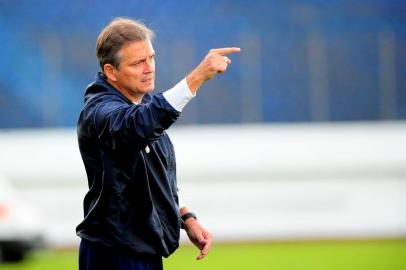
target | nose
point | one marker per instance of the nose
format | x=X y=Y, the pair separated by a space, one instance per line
x=149 y=66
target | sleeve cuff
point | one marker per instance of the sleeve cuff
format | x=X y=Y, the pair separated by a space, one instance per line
x=179 y=95
x=180 y=201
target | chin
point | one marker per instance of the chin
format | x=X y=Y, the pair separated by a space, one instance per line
x=149 y=89
x=145 y=88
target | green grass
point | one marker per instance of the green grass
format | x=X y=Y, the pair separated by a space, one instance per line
x=44 y=260
x=356 y=255
x=383 y=255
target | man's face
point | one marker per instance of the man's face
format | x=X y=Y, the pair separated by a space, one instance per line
x=136 y=72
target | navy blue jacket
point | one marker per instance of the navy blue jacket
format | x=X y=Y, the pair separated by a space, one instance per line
x=132 y=202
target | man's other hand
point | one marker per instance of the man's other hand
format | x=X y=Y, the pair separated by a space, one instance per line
x=199 y=236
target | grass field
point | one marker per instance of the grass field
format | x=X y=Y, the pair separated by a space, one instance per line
x=357 y=255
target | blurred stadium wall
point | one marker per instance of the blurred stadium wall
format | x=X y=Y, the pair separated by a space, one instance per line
x=246 y=182
x=301 y=60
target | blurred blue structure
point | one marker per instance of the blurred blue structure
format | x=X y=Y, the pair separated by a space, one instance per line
x=300 y=60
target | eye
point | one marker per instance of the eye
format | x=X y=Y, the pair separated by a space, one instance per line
x=137 y=63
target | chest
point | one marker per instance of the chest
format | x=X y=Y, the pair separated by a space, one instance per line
x=160 y=153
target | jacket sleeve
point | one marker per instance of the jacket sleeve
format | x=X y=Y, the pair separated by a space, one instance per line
x=119 y=125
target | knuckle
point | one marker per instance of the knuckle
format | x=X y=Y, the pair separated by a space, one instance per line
x=212 y=65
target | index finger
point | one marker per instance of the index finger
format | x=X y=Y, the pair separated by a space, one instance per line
x=204 y=251
x=224 y=51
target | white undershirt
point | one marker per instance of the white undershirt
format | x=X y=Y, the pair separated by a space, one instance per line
x=179 y=95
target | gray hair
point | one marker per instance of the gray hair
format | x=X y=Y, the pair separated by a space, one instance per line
x=115 y=35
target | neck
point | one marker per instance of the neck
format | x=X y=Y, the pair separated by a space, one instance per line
x=125 y=92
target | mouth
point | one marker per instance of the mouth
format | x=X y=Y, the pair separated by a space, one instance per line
x=149 y=80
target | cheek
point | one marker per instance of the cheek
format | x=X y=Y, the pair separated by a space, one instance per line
x=133 y=75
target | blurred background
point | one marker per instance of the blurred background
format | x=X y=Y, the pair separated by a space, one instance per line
x=298 y=149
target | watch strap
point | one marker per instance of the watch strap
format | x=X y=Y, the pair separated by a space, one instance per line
x=185 y=217
x=188 y=215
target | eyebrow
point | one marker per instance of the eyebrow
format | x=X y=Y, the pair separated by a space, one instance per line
x=142 y=59
x=137 y=61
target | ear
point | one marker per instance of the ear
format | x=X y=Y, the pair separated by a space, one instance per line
x=109 y=71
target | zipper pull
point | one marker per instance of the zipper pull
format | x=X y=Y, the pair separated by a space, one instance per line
x=147 y=150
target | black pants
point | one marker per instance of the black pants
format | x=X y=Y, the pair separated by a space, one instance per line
x=96 y=257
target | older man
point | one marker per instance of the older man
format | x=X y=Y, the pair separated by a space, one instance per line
x=132 y=211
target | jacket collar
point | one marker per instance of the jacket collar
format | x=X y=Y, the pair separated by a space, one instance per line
x=101 y=86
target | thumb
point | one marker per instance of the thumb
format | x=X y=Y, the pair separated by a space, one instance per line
x=202 y=241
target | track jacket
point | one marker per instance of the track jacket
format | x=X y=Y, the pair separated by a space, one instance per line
x=132 y=202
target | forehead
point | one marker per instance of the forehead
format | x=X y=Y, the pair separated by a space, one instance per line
x=136 y=50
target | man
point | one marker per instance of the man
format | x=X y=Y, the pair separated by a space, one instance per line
x=132 y=211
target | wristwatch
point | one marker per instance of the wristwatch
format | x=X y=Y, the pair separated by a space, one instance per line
x=185 y=217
